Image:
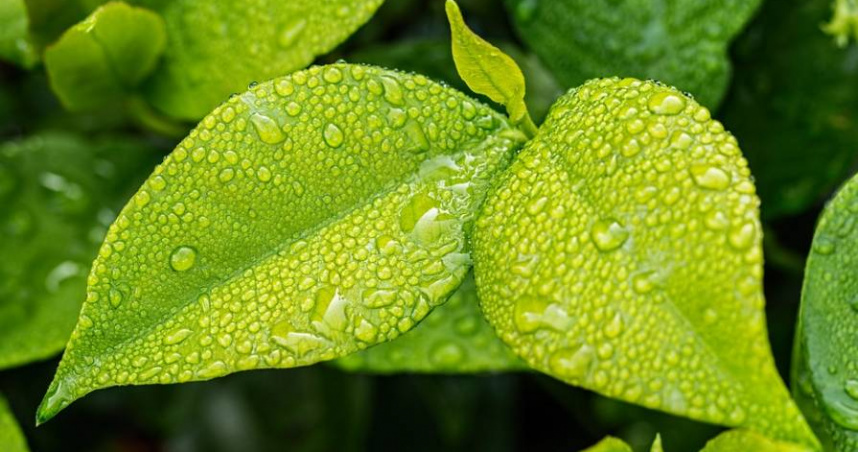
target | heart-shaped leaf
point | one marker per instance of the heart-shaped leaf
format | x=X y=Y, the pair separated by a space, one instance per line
x=106 y=56
x=218 y=48
x=746 y=440
x=11 y=438
x=454 y=338
x=306 y=219
x=621 y=252
x=683 y=43
x=58 y=195
x=826 y=380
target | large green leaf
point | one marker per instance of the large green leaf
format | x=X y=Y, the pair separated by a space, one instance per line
x=218 y=48
x=749 y=441
x=310 y=217
x=454 y=338
x=106 y=56
x=58 y=195
x=15 y=43
x=11 y=438
x=621 y=252
x=826 y=380
x=796 y=121
x=682 y=42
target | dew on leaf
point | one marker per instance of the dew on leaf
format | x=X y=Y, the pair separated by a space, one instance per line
x=183 y=258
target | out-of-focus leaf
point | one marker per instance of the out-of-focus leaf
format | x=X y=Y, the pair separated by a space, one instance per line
x=216 y=48
x=626 y=235
x=826 y=380
x=357 y=188
x=656 y=445
x=453 y=338
x=58 y=195
x=433 y=59
x=844 y=24
x=105 y=57
x=749 y=441
x=683 y=43
x=11 y=438
x=609 y=444
x=15 y=43
x=487 y=70
x=797 y=121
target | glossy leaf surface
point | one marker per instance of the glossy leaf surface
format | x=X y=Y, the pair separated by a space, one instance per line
x=218 y=48
x=454 y=338
x=826 y=380
x=683 y=43
x=54 y=214
x=621 y=252
x=11 y=438
x=746 y=440
x=106 y=56
x=357 y=187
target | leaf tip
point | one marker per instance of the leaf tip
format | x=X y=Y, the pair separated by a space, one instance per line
x=56 y=399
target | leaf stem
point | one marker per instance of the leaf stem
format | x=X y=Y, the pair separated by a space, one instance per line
x=527 y=126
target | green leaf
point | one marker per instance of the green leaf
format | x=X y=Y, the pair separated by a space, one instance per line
x=106 y=56
x=15 y=43
x=308 y=218
x=844 y=24
x=656 y=444
x=609 y=444
x=823 y=369
x=621 y=252
x=683 y=42
x=747 y=440
x=59 y=193
x=454 y=338
x=218 y=48
x=799 y=131
x=11 y=437
x=487 y=70
x=433 y=59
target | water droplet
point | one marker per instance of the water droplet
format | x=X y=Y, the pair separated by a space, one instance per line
x=333 y=135
x=710 y=177
x=642 y=283
x=177 y=336
x=115 y=296
x=609 y=234
x=569 y=363
x=666 y=103
x=392 y=90
x=183 y=258
x=743 y=236
x=447 y=354
x=824 y=245
x=528 y=313
x=267 y=129
x=417 y=137
x=332 y=75
x=615 y=327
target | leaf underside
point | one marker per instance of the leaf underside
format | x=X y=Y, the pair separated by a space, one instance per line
x=621 y=252
x=11 y=437
x=824 y=373
x=454 y=338
x=55 y=213
x=683 y=43
x=306 y=219
x=218 y=48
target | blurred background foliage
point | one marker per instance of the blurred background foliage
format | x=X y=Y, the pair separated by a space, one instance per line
x=791 y=100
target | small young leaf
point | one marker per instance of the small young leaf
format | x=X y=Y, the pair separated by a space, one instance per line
x=306 y=219
x=621 y=252
x=15 y=43
x=218 y=48
x=844 y=24
x=487 y=70
x=746 y=440
x=656 y=444
x=683 y=42
x=609 y=444
x=823 y=368
x=58 y=195
x=105 y=56
x=454 y=338
x=11 y=437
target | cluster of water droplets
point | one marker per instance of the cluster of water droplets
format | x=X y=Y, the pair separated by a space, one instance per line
x=622 y=253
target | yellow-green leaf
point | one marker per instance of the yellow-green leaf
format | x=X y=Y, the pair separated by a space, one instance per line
x=11 y=438
x=454 y=338
x=105 y=57
x=15 y=43
x=656 y=444
x=609 y=444
x=844 y=24
x=487 y=70
x=313 y=216
x=621 y=252
x=749 y=441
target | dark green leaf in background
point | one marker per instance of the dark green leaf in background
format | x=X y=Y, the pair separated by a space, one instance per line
x=58 y=194
x=15 y=44
x=11 y=438
x=683 y=43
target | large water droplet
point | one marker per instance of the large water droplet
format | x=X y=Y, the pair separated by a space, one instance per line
x=267 y=128
x=183 y=258
x=710 y=177
x=824 y=245
x=572 y=363
x=528 y=313
x=392 y=90
x=666 y=103
x=608 y=234
x=333 y=135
